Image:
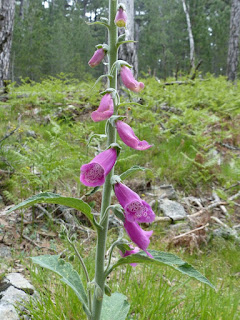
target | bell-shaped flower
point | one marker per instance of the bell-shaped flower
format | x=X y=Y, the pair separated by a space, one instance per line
x=121 y=18
x=105 y=109
x=93 y=174
x=136 y=209
x=129 y=138
x=97 y=57
x=129 y=252
x=140 y=237
x=129 y=81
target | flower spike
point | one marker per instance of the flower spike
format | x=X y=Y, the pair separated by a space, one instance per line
x=93 y=174
x=128 y=136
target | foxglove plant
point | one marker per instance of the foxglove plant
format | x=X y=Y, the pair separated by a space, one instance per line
x=132 y=209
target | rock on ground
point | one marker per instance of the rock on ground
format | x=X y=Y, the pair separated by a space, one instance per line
x=14 y=289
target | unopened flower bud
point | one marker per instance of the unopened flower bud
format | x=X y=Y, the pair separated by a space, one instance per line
x=121 y=18
x=97 y=57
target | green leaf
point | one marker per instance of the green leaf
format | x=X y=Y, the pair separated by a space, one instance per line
x=115 y=307
x=68 y=274
x=125 y=41
x=132 y=170
x=161 y=258
x=98 y=22
x=48 y=197
x=101 y=77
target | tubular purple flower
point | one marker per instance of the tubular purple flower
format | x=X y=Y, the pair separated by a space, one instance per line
x=140 y=237
x=121 y=18
x=105 y=109
x=136 y=209
x=93 y=174
x=129 y=81
x=129 y=252
x=128 y=136
x=97 y=57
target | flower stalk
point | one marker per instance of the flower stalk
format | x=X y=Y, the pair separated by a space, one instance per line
x=106 y=196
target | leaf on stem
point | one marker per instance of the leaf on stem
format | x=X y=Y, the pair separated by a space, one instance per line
x=68 y=274
x=98 y=22
x=99 y=78
x=125 y=41
x=165 y=258
x=131 y=171
x=48 y=197
x=115 y=307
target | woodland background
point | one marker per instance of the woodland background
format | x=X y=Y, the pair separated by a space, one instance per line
x=53 y=38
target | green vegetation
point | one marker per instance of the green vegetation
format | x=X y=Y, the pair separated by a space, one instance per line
x=55 y=38
x=195 y=131
x=155 y=293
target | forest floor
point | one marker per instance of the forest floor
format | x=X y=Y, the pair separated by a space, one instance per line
x=46 y=134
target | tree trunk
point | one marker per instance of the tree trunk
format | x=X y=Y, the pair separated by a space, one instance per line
x=233 y=46
x=190 y=35
x=128 y=51
x=7 y=9
x=21 y=11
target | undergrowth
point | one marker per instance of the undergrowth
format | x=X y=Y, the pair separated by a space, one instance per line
x=154 y=293
x=194 y=129
x=195 y=132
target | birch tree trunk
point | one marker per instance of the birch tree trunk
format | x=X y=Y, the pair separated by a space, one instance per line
x=233 y=45
x=7 y=10
x=128 y=51
x=190 y=35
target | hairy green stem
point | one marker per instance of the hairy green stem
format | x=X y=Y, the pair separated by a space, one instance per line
x=84 y=269
x=106 y=196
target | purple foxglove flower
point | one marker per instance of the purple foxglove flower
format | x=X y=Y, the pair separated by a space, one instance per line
x=97 y=57
x=129 y=81
x=121 y=18
x=105 y=109
x=129 y=252
x=129 y=138
x=93 y=174
x=136 y=209
x=138 y=235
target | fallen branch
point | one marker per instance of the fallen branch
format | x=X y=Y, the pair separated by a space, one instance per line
x=219 y=222
x=224 y=210
x=12 y=132
x=191 y=231
x=228 y=146
x=235 y=196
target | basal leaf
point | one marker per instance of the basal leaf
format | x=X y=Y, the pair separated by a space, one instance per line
x=68 y=274
x=115 y=307
x=48 y=197
x=165 y=258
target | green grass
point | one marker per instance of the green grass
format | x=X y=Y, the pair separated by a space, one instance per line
x=155 y=293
